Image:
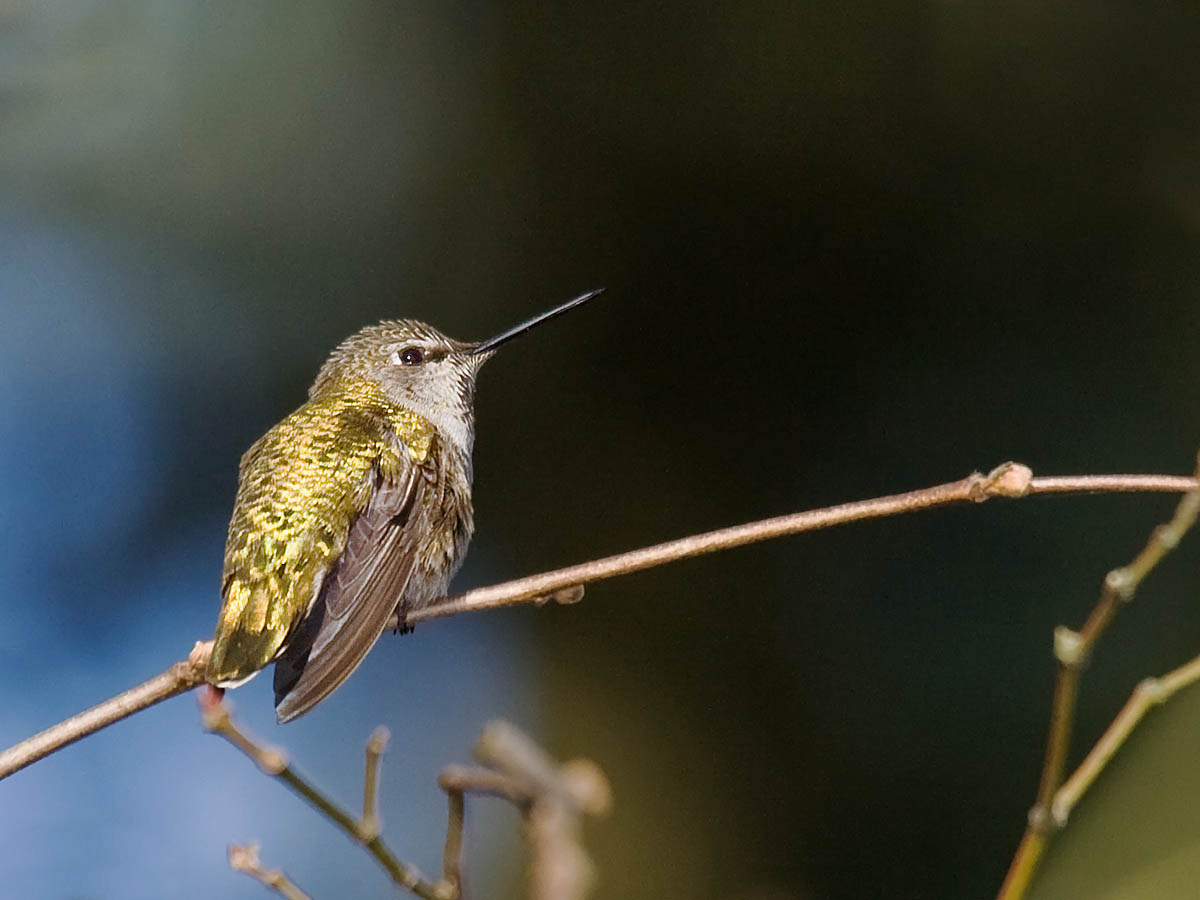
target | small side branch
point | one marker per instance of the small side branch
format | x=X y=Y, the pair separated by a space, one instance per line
x=371 y=824
x=244 y=858
x=273 y=762
x=179 y=678
x=1150 y=693
x=1072 y=650
x=554 y=800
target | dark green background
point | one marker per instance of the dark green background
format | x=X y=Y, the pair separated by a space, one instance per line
x=850 y=249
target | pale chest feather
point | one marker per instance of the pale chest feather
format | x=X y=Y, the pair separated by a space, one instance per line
x=448 y=524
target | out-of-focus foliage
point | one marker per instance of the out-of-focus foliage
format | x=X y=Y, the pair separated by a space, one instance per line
x=850 y=249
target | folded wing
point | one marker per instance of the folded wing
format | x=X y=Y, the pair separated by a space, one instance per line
x=357 y=596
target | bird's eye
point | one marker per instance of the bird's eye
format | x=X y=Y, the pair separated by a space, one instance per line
x=411 y=356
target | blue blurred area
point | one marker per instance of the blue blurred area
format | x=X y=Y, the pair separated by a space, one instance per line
x=93 y=603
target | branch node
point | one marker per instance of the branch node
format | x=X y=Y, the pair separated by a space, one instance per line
x=1154 y=690
x=587 y=786
x=1060 y=811
x=1069 y=648
x=198 y=658
x=378 y=741
x=1009 y=479
x=368 y=829
x=1121 y=583
x=243 y=857
x=1167 y=536
x=1042 y=820
x=553 y=799
x=272 y=760
x=568 y=595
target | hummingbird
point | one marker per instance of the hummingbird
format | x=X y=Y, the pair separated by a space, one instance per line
x=354 y=508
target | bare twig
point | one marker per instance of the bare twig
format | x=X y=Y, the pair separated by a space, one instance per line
x=365 y=832
x=564 y=585
x=244 y=858
x=1150 y=693
x=457 y=782
x=371 y=823
x=455 y=779
x=1072 y=649
x=456 y=823
x=553 y=800
x=179 y=678
x=1006 y=480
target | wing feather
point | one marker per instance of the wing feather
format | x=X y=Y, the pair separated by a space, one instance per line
x=357 y=597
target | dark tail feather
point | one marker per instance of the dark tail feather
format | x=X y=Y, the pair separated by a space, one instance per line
x=290 y=665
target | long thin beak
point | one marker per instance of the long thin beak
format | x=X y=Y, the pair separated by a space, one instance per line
x=489 y=346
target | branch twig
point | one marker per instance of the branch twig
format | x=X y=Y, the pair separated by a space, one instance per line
x=274 y=762
x=179 y=678
x=562 y=585
x=371 y=824
x=244 y=858
x=1072 y=649
x=553 y=800
x=1149 y=693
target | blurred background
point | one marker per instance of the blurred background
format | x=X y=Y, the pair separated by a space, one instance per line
x=850 y=249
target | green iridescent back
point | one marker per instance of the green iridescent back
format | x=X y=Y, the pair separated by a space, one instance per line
x=300 y=488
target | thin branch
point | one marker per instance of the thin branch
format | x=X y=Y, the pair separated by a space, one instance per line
x=1113 y=484
x=371 y=823
x=456 y=823
x=1006 y=480
x=1072 y=650
x=552 y=798
x=245 y=859
x=274 y=763
x=1150 y=693
x=457 y=782
x=178 y=679
x=480 y=780
x=563 y=585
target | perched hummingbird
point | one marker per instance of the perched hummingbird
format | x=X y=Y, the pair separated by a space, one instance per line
x=354 y=507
